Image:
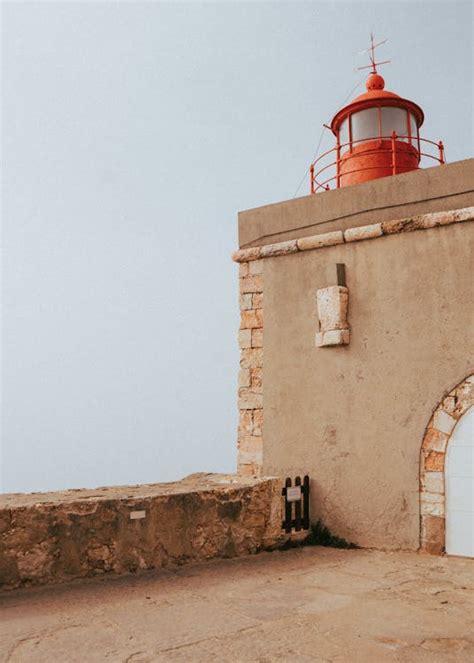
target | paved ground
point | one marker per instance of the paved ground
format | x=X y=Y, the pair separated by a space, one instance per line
x=311 y=604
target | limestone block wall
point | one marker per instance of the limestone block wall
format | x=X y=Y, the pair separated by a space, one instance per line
x=250 y=431
x=53 y=537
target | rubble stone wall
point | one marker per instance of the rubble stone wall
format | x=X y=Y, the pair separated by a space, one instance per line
x=53 y=537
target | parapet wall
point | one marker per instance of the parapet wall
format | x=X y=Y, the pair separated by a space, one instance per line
x=53 y=537
x=447 y=187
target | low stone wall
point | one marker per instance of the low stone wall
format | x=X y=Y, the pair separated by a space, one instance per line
x=53 y=537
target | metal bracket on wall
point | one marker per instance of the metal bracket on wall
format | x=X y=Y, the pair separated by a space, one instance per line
x=341 y=274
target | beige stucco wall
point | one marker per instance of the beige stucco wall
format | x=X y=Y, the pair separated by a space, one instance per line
x=353 y=417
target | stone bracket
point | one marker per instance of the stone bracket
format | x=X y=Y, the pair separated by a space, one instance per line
x=332 y=305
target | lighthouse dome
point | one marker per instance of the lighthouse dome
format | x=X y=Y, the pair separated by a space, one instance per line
x=377 y=135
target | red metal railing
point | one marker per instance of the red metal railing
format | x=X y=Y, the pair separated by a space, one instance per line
x=320 y=182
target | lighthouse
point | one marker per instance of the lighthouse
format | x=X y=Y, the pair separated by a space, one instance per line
x=355 y=329
x=377 y=135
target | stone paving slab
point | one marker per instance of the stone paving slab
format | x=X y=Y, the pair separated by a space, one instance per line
x=309 y=604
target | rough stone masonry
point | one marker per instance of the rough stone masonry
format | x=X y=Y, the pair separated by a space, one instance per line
x=53 y=537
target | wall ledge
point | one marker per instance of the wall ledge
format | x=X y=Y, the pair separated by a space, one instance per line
x=359 y=233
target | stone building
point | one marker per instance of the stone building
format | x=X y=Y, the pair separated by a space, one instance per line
x=356 y=336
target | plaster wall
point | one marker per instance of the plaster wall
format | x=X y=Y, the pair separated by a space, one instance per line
x=419 y=192
x=353 y=417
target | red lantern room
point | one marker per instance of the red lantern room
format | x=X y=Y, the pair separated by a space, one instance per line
x=377 y=135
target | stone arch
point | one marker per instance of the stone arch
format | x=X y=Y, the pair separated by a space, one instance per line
x=432 y=463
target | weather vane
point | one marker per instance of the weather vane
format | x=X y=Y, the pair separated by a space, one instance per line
x=371 y=51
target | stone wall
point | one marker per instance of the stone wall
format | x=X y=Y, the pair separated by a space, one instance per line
x=250 y=432
x=53 y=537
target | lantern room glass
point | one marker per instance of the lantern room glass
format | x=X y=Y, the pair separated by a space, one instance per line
x=395 y=119
x=344 y=132
x=365 y=125
x=414 y=129
x=378 y=122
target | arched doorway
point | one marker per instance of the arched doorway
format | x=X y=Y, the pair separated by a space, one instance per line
x=434 y=448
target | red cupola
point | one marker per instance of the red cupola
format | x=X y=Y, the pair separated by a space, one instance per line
x=377 y=135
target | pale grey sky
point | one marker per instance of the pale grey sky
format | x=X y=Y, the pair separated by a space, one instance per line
x=132 y=134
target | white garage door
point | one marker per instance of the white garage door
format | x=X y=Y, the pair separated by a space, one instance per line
x=459 y=478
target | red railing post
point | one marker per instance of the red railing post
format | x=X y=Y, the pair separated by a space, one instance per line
x=441 y=151
x=338 y=162
x=311 y=175
x=394 y=150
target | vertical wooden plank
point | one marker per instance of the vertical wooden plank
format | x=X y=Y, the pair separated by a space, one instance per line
x=283 y=522
x=298 y=508
x=306 y=520
x=288 y=509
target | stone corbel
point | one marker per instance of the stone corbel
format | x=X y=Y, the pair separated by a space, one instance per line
x=332 y=303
